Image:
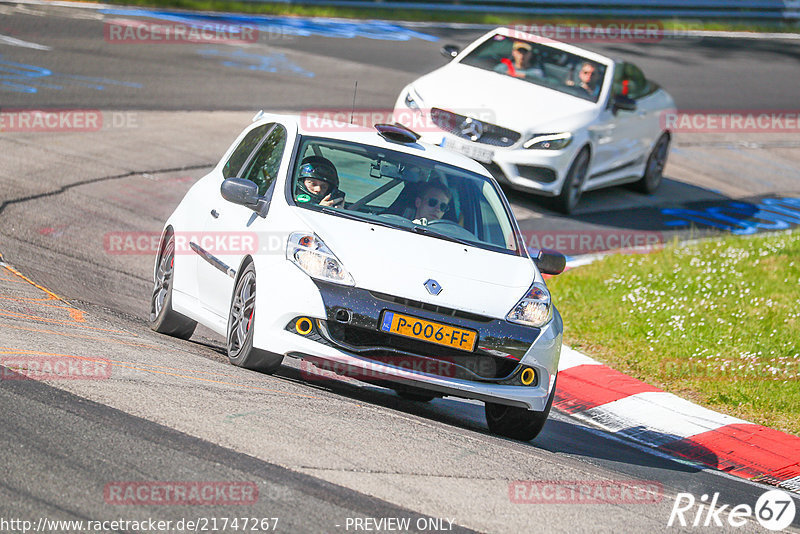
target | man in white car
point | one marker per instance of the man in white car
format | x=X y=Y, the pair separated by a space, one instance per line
x=521 y=64
x=432 y=203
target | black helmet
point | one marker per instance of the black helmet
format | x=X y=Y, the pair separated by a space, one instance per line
x=318 y=168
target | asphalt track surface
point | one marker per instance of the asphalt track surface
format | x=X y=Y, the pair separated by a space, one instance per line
x=319 y=452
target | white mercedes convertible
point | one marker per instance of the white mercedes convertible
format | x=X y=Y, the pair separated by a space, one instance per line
x=544 y=117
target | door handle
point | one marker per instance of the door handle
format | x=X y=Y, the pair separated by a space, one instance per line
x=214 y=213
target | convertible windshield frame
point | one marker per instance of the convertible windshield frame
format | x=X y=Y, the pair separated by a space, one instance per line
x=399 y=222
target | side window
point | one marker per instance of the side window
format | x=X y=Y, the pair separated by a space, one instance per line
x=243 y=151
x=264 y=167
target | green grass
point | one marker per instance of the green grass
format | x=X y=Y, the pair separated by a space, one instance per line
x=717 y=322
x=375 y=11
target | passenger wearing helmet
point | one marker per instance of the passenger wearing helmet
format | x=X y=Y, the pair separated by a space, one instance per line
x=318 y=182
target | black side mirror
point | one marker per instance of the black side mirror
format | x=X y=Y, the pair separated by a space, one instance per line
x=450 y=51
x=549 y=261
x=245 y=193
x=624 y=103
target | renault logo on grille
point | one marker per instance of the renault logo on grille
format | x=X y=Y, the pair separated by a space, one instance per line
x=472 y=129
x=433 y=287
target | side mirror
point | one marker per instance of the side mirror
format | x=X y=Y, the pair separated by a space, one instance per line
x=239 y=191
x=624 y=103
x=450 y=51
x=245 y=193
x=549 y=261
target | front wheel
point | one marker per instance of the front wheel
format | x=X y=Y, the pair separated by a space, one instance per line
x=518 y=423
x=163 y=319
x=573 y=184
x=241 y=325
x=654 y=171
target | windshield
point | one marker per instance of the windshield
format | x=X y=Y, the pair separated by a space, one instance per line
x=539 y=64
x=402 y=191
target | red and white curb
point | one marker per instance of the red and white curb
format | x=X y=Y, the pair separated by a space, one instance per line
x=615 y=402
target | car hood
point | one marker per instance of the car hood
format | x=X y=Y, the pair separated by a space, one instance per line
x=502 y=100
x=398 y=263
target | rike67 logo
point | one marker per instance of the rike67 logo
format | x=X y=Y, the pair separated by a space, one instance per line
x=774 y=510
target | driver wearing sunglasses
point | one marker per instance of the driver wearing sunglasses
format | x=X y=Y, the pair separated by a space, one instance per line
x=432 y=203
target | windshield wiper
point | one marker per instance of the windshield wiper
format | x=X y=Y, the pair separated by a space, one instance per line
x=433 y=233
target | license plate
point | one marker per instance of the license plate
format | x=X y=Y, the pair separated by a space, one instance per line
x=475 y=152
x=432 y=332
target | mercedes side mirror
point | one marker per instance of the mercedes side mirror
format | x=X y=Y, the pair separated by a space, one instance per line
x=450 y=51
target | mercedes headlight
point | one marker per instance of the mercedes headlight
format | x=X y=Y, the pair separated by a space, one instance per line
x=549 y=141
x=314 y=258
x=534 y=309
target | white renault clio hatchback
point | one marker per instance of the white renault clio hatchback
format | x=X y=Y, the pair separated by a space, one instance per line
x=369 y=254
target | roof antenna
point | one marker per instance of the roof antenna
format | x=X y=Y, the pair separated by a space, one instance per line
x=353 y=110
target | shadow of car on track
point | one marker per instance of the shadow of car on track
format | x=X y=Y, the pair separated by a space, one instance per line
x=558 y=435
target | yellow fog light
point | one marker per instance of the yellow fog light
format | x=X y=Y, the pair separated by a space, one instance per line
x=527 y=377
x=303 y=326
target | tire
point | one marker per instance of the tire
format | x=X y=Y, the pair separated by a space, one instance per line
x=416 y=395
x=517 y=423
x=241 y=325
x=571 y=191
x=654 y=171
x=163 y=319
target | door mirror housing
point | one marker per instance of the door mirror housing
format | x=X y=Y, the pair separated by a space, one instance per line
x=245 y=193
x=549 y=261
x=450 y=51
x=624 y=103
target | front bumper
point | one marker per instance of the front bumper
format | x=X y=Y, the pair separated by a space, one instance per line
x=347 y=341
x=541 y=172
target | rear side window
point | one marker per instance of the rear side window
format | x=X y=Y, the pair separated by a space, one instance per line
x=264 y=167
x=243 y=151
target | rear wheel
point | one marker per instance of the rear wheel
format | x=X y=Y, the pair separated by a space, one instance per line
x=241 y=325
x=654 y=171
x=573 y=184
x=163 y=318
x=517 y=423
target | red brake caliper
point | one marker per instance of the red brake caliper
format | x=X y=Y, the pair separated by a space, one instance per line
x=250 y=320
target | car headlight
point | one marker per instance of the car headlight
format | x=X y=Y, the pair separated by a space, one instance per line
x=549 y=141
x=413 y=100
x=314 y=258
x=534 y=309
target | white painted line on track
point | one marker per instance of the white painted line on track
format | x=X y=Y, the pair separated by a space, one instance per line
x=12 y=41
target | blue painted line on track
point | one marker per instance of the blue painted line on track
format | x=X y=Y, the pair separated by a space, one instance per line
x=25 y=78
